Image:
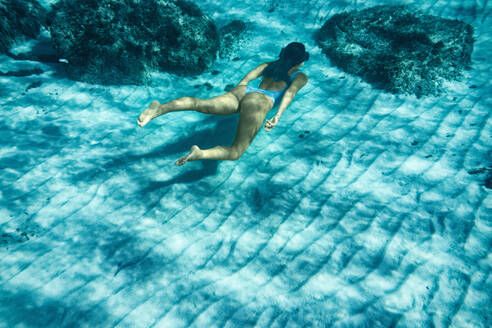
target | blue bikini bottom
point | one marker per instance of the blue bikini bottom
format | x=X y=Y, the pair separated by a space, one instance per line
x=274 y=95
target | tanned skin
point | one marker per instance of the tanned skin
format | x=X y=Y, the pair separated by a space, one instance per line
x=252 y=109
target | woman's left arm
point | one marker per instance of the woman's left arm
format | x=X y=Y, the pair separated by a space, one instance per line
x=253 y=74
x=299 y=81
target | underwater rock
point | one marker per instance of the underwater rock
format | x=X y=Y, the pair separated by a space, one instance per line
x=398 y=49
x=121 y=41
x=34 y=85
x=488 y=181
x=19 y=19
x=9 y=239
x=40 y=50
x=231 y=36
x=23 y=72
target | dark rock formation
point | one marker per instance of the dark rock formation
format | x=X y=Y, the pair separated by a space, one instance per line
x=488 y=180
x=19 y=19
x=398 y=49
x=41 y=50
x=120 y=41
x=23 y=72
x=231 y=36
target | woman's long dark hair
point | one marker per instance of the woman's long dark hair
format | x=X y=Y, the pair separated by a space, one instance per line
x=293 y=54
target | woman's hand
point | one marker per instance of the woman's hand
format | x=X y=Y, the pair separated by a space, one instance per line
x=271 y=123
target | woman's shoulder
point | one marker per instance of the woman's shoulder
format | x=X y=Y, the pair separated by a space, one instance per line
x=298 y=80
x=298 y=72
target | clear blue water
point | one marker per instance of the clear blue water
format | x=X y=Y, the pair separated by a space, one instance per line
x=357 y=210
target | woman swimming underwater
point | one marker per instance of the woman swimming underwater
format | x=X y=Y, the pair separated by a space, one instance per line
x=281 y=81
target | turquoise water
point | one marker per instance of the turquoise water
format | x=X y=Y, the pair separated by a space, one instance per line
x=360 y=209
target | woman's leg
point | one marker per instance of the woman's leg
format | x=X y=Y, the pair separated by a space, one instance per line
x=225 y=104
x=252 y=114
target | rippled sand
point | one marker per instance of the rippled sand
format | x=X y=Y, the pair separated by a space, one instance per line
x=360 y=209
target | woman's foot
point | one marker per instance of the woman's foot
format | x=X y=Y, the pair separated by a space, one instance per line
x=195 y=153
x=151 y=112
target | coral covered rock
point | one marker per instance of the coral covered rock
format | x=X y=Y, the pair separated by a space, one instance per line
x=120 y=41
x=231 y=36
x=398 y=49
x=19 y=19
